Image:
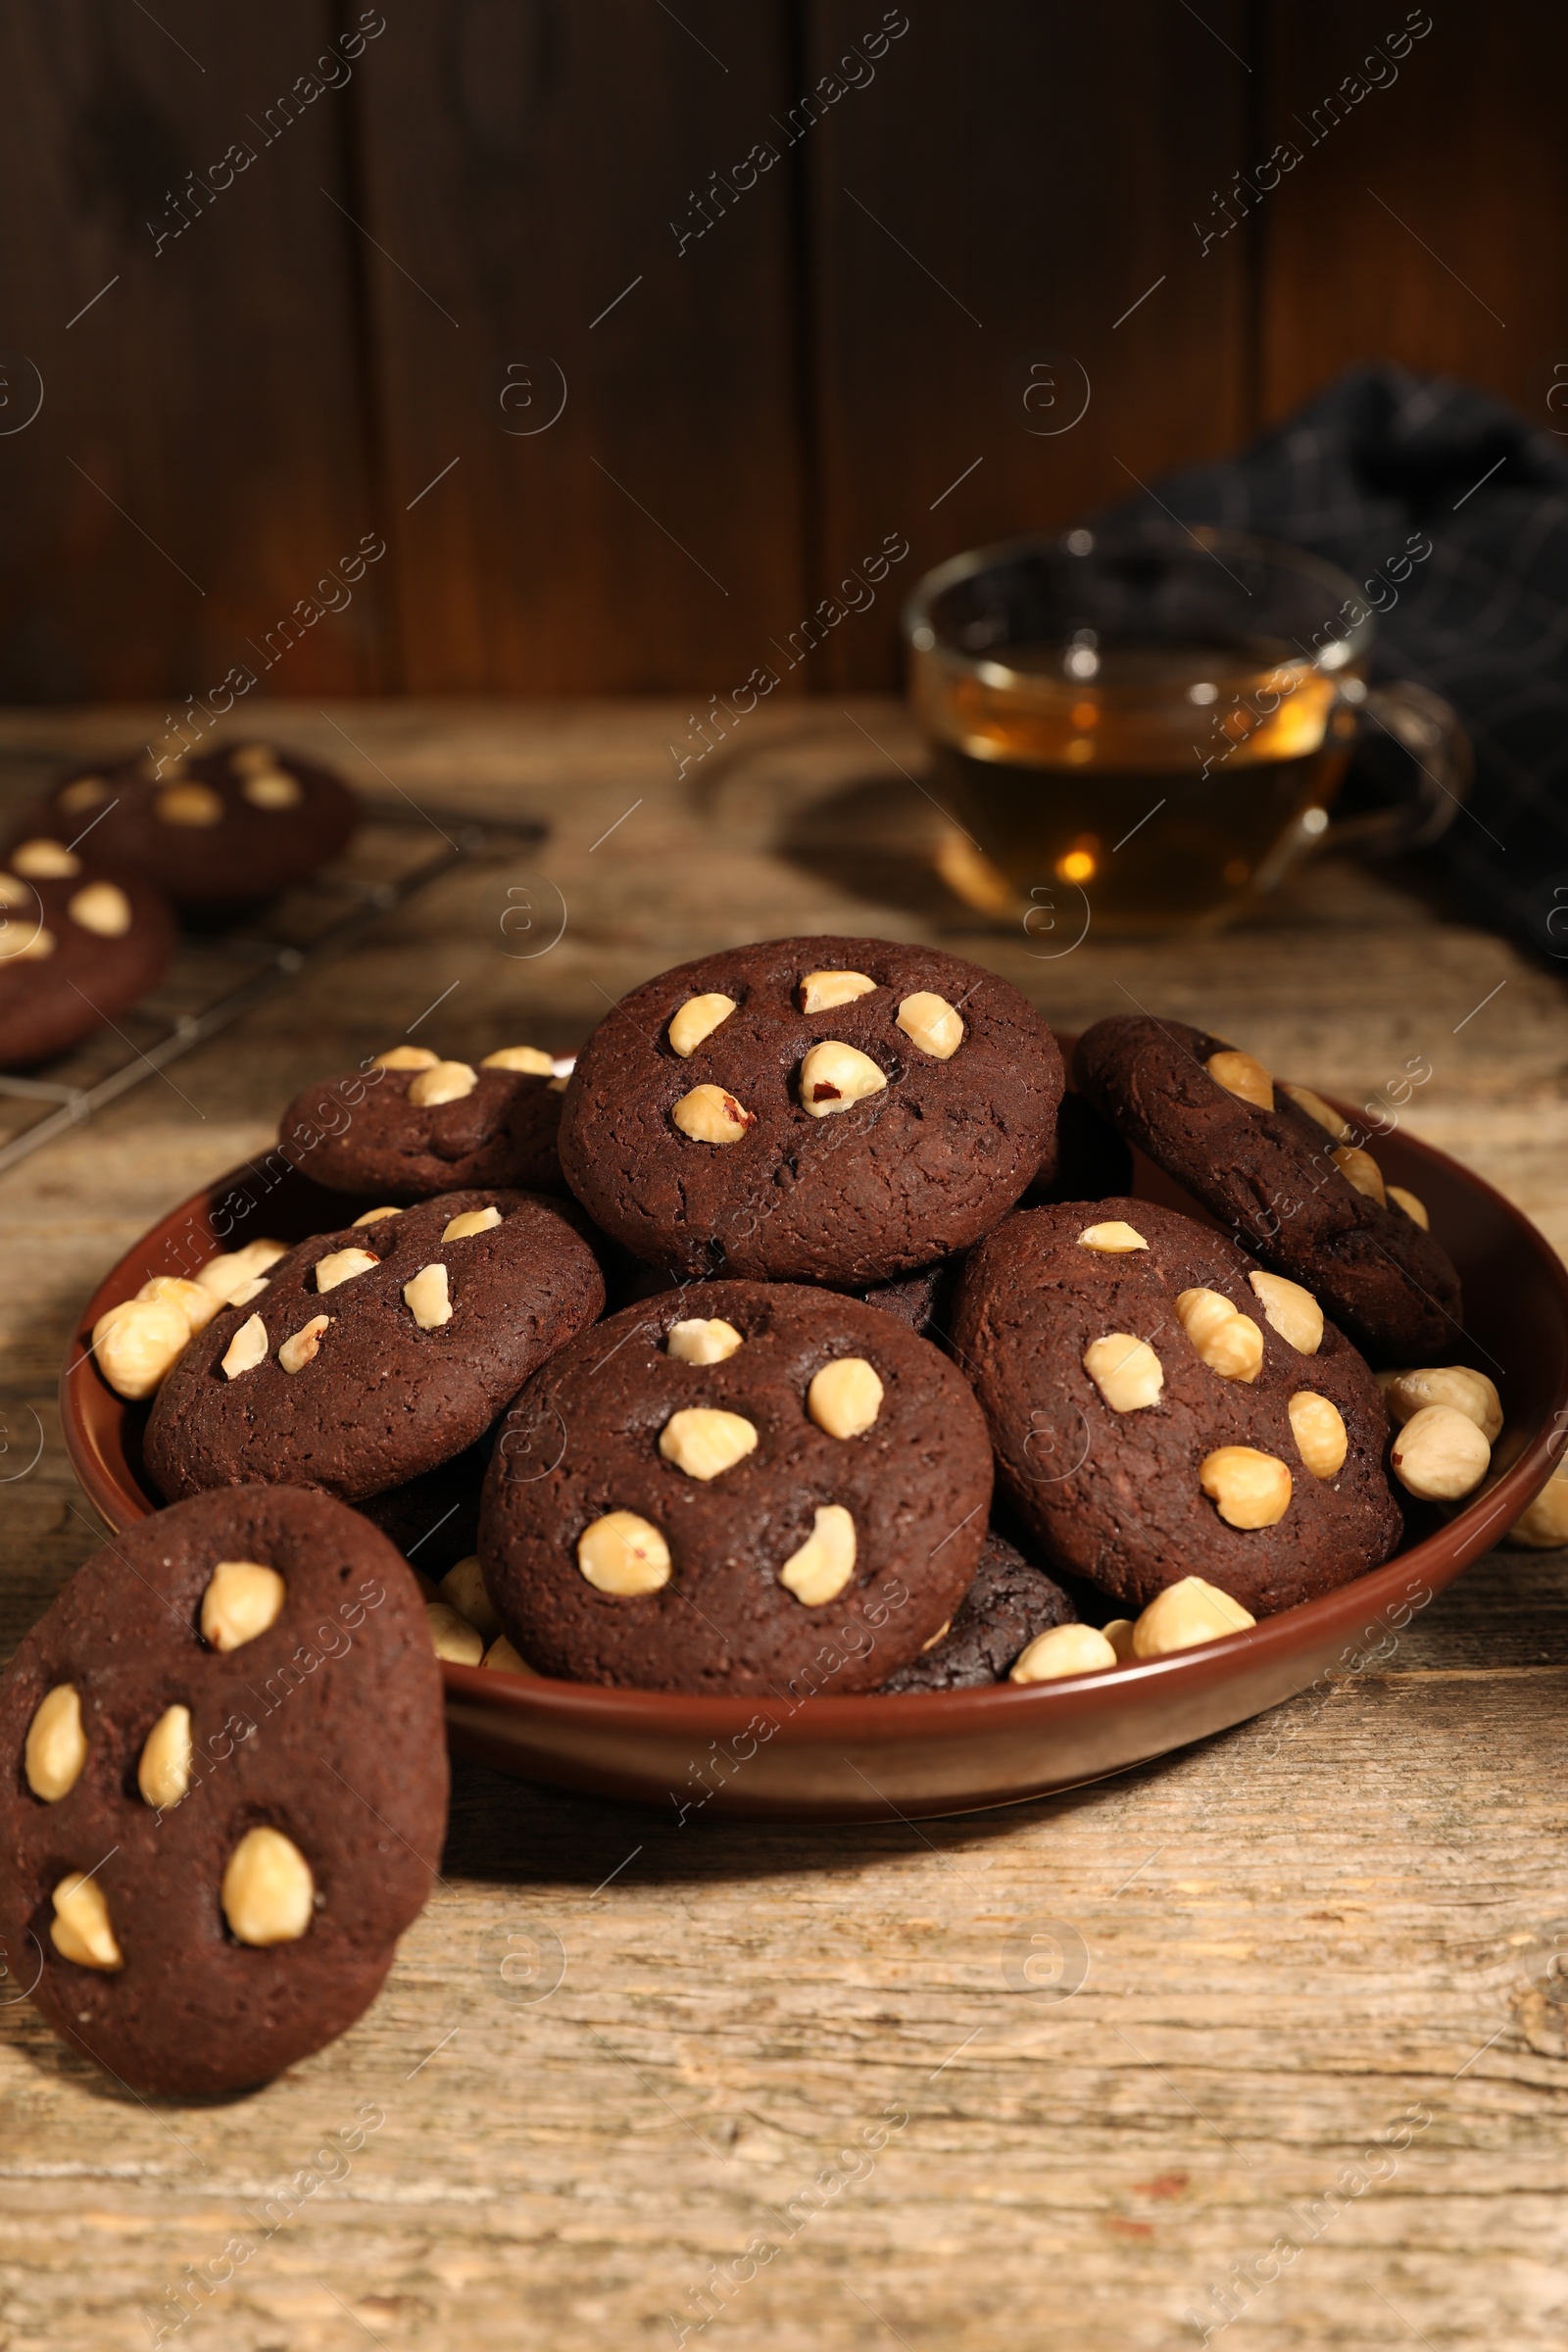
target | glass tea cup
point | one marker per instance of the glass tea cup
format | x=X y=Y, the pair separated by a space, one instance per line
x=1158 y=721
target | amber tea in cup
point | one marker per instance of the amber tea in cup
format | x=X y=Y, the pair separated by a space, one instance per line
x=1157 y=723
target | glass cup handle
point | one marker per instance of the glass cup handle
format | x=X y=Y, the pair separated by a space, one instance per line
x=1433 y=734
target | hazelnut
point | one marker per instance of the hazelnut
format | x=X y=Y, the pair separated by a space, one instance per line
x=1184 y=1615
x=463 y=1588
x=249 y=1291
x=1318 y=1428
x=32 y=947
x=373 y=1216
x=1115 y=1239
x=101 y=908
x=425 y=1297
x=1439 y=1453
x=1406 y=1393
x=834 y=1075
x=229 y=1274
x=844 y=1398
x=532 y=1060
x=1228 y=1341
x=196 y=1304
x=252 y=759
x=45 y=862
x=931 y=1023
x=1289 y=1310
x=57 y=1745
x=1544 y=1526
x=623 y=1554
x=303 y=1346
x=940 y=1635
x=1126 y=1371
x=472 y=1220
x=442 y=1081
x=273 y=788
x=696 y=1020
x=1248 y=1489
x=826 y=1562
x=451 y=1637
x=709 y=1115
x=1415 y=1210
x=821 y=991
x=699 y=1340
x=88 y=791
x=80 y=1929
x=501 y=1658
x=247 y=1348
x=1244 y=1076
x=268 y=1894
x=241 y=1601
x=1361 y=1169
x=1062 y=1650
x=704 y=1442
x=188 y=805
x=555 y=1086
x=405 y=1058
x=342 y=1265
x=1120 y=1633
x=1316 y=1108
x=163 y=1773
x=137 y=1341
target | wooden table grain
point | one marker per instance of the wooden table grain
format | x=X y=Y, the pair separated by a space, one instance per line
x=1271 y=2036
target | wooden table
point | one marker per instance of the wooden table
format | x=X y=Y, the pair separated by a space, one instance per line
x=1320 y=2014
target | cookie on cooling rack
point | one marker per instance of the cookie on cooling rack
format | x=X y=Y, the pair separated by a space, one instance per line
x=218 y=832
x=75 y=949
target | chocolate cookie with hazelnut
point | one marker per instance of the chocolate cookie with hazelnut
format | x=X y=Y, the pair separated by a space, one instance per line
x=370 y=1355
x=1161 y=1405
x=734 y=1487
x=1279 y=1166
x=820 y=1110
x=218 y=832
x=410 y=1124
x=225 y=1792
x=75 y=949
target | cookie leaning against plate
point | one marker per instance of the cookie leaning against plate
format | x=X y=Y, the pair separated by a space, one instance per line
x=1266 y=1161
x=224 y=1789
x=75 y=949
x=1162 y=1406
x=374 y=1353
x=730 y=1487
x=218 y=832
x=411 y=1124
x=833 y=1110
x=1009 y=1605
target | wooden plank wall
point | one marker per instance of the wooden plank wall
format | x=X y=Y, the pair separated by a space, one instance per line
x=812 y=275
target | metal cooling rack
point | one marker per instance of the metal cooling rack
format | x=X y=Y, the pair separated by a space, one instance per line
x=388 y=862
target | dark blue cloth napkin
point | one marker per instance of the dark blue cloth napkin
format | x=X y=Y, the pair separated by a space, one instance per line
x=1483 y=621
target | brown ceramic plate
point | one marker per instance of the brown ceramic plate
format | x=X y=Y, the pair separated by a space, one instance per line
x=849 y=1759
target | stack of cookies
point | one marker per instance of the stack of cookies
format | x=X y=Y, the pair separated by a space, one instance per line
x=896 y=1371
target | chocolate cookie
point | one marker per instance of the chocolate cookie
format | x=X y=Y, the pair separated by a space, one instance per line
x=411 y=1125
x=75 y=949
x=226 y=1793
x=375 y=1354
x=218 y=832
x=1279 y=1167
x=732 y=1486
x=1162 y=1406
x=1008 y=1604
x=433 y=1520
x=833 y=1110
